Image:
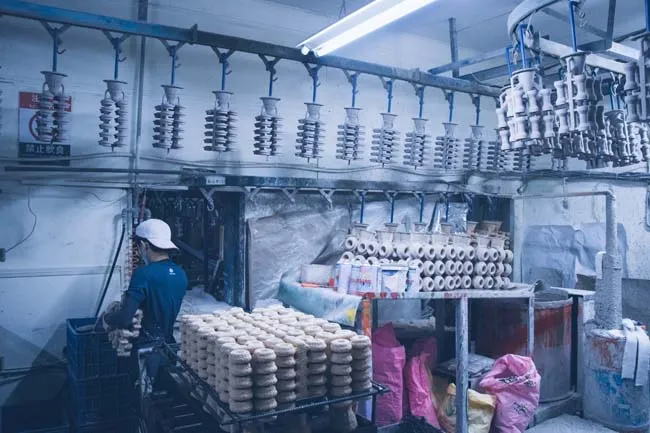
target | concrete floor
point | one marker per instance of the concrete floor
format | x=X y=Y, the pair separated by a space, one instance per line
x=569 y=424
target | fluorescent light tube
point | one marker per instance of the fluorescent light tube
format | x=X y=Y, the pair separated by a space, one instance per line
x=366 y=20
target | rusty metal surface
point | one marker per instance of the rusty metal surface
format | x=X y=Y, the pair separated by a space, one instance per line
x=506 y=332
x=608 y=398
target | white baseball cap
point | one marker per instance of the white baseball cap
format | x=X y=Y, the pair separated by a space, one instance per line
x=157 y=232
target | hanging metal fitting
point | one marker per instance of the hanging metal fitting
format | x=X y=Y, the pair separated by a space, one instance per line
x=313 y=73
x=225 y=64
x=270 y=67
x=116 y=42
x=55 y=33
x=449 y=97
x=419 y=92
x=353 y=79
x=173 y=53
x=388 y=85
x=476 y=101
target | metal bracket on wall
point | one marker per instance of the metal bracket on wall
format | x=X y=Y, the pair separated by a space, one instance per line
x=290 y=193
x=207 y=194
x=327 y=195
x=251 y=192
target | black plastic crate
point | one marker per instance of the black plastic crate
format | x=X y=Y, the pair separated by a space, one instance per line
x=101 y=399
x=90 y=354
x=121 y=425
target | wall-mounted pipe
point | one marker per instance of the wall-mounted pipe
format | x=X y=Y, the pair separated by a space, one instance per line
x=608 y=296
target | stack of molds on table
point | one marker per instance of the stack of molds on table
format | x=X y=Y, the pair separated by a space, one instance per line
x=398 y=262
x=271 y=358
x=102 y=393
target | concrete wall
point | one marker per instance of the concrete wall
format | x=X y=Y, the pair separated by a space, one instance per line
x=631 y=217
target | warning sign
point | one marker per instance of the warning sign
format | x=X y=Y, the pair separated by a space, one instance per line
x=29 y=146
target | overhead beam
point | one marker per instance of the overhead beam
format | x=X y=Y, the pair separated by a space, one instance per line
x=558 y=50
x=467 y=62
x=23 y=9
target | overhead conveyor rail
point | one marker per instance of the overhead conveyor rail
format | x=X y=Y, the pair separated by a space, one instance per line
x=194 y=36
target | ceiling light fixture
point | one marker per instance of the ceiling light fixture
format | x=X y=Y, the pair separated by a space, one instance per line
x=367 y=19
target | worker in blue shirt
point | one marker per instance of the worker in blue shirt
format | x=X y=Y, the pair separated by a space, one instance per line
x=157 y=288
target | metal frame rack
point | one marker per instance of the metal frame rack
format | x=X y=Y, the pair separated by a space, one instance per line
x=198 y=389
x=461 y=299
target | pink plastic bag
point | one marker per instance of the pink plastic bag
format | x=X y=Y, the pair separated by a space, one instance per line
x=420 y=401
x=388 y=359
x=514 y=382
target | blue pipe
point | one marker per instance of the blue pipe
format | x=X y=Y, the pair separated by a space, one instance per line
x=478 y=111
x=117 y=63
x=363 y=205
x=55 y=53
x=390 y=94
x=611 y=101
x=271 y=80
x=421 y=208
x=314 y=80
x=224 y=72
x=618 y=102
x=421 y=102
x=508 y=61
x=173 y=79
x=451 y=107
x=353 y=78
x=392 y=209
x=572 y=22
x=522 y=46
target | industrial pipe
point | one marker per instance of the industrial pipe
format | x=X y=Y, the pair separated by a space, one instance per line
x=608 y=297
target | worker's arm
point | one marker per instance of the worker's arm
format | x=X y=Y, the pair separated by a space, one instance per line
x=122 y=318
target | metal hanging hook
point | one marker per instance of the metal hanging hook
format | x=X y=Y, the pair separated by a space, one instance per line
x=388 y=85
x=313 y=73
x=391 y=195
x=353 y=79
x=449 y=97
x=419 y=92
x=116 y=42
x=476 y=101
x=270 y=67
x=173 y=53
x=55 y=33
x=225 y=64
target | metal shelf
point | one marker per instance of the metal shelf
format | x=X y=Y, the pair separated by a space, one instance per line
x=209 y=398
x=461 y=298
x=520 y=291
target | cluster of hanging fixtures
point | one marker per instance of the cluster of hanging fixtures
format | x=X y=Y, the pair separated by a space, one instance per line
x=569 y=121
x=267 y=128
x=350 y=136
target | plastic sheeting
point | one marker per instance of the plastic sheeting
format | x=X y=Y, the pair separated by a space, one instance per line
x=557 y=254
x=284 y=235
x=320 y=302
